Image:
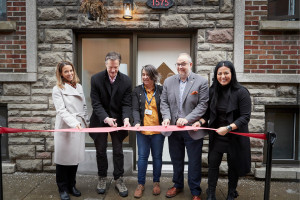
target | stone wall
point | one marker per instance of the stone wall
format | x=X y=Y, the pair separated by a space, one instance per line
x=30 y=104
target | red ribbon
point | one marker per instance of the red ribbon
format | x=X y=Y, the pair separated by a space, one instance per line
x=170 y=128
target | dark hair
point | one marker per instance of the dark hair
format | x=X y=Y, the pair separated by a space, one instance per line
x=233 y=84
x=113 y=56
x=152 y=72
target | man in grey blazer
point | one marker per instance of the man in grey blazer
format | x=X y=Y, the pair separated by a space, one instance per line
x=184 y=100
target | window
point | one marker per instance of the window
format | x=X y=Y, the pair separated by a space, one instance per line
x=283 y=10
x=284 y=121
x=2 y=10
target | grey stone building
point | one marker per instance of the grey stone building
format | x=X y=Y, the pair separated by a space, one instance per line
x=210 y=30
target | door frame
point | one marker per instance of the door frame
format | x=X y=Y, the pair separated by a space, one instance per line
x=134 y=36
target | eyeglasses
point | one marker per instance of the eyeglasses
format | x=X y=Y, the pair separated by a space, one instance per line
x=181 y=64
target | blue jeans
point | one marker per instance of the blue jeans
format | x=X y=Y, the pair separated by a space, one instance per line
x=145 y=143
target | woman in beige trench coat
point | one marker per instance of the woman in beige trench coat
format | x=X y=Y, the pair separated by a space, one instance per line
x=71 y=112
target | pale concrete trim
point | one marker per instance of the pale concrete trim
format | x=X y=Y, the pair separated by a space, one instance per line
x=279 y=173
x=268 y=78
x=279 y=25
x=264 y=78
x=18 y=77
x=8 y=26
x=31 y=36
x=239 y=33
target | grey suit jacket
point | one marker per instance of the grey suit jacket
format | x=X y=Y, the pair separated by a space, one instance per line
x=194 y=101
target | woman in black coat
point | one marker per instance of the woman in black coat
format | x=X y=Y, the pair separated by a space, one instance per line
x=229 y=110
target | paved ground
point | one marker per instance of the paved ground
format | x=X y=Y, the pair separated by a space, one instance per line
x=25 y=186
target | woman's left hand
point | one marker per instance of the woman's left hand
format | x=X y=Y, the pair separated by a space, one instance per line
x=222 y=130
x=79 y=127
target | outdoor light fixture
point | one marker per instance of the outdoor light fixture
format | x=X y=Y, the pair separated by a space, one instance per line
x=127 y=7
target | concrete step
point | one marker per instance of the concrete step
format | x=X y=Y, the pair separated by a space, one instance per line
x=290 y=173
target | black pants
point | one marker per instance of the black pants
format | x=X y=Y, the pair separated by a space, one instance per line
x=66 y=177
x=214 y=161
x=118 y=157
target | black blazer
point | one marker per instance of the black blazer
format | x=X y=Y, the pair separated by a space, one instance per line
x=238 y=112
x=108 y=101
x=138 y=104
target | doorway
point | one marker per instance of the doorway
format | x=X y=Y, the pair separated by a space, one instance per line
x=137 y=50
x=162 y=53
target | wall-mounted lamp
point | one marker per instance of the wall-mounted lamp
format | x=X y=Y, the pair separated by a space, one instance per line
x=127 y=7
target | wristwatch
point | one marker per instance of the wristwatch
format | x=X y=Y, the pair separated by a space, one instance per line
x=229 y=128
x=200 y=123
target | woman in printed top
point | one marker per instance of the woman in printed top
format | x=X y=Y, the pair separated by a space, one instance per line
x=71 y=112
x=229 y=110
x=146 y=112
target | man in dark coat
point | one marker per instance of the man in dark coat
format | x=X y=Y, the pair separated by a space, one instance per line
x=111 y=102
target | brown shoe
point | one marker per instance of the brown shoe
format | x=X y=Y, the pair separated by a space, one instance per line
x=196 y=198
x=172 y=192
x=156 y=188
x=138 y=193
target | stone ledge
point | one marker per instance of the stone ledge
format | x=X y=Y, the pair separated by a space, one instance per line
x=268 y=78
x=8 y=26
x=8 y=168
x=18 y=77
x=292 y=173
x=279 y=25
x=89 y=166
x=264 y=78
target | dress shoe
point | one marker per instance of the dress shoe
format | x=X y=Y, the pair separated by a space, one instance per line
x=156 y=188
x=196 y=198
x=64 y=195
x=138 y=193
x=75 y=192
x=172 y=192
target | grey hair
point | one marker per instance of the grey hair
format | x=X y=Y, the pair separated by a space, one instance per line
x=187 y=55
x=152 y=73
x=113 y=56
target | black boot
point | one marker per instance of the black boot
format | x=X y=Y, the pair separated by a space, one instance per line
x=64 y=195
x=232 y=193
x=75 y=192
x=211 y=193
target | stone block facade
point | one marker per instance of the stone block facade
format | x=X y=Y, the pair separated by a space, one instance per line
x=58 y=21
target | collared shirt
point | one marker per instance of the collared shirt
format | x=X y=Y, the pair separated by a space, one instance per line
x=151 y=120
x=181 y=90
x=112 y=80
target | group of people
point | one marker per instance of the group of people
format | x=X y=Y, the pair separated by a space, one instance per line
x=183 y=100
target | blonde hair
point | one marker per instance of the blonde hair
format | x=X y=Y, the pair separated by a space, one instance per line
x=59 y=80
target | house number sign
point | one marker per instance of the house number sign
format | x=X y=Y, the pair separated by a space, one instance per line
x=160 y=4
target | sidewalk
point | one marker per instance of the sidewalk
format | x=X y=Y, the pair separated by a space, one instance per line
x=25 y=186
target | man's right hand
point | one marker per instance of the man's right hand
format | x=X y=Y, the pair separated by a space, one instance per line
x=166 y=122
x=137 y=126
x=111 y=122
